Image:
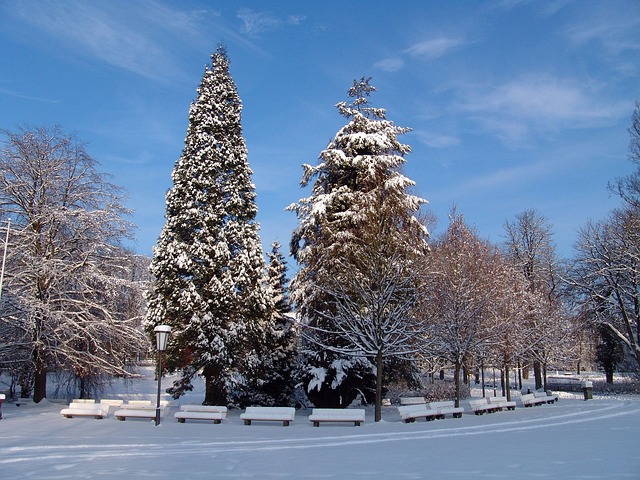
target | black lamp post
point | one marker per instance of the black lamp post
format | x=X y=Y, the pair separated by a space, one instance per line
x=162 y=335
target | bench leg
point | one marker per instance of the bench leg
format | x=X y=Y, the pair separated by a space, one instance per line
x=357 y=424
x=285 y=423
x=181 y=420
x=247 y=422
x=316 y=424
x=121 y=418
x=216 y=421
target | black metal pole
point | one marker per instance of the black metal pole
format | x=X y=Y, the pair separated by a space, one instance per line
x=159 y=382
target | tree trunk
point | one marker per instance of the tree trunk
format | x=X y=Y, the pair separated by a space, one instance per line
x=457 y=380
x=215 y=393
x=537 y=372
x=609 y=375
x=40 y=376
x=378 y=407
x=506 y=381
x=519 y=376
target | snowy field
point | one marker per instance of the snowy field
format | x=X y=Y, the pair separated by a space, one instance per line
x=573 y=439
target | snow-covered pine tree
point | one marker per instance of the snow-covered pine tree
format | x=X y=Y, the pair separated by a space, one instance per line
x=359 y=195
x=208 y=263
x=272 y=381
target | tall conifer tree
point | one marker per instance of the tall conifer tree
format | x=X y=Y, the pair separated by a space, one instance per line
x=359 y=196
x=208 y=264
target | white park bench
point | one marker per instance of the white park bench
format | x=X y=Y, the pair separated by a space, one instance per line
x=446 y=408
x=201 y=412
x=481 y=405
x=274 y=414
x=139 y=409
x=502 y=402
x=83 y=400
x=412 y=401
x=409 y=413
x=529 y=400
x=546 y=396
x=355 y=415
x=85 y=409
x=108 y=402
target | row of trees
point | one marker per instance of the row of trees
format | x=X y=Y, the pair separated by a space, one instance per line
x=376 y=300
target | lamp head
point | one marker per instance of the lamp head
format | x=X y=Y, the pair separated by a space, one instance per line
x=162 y=335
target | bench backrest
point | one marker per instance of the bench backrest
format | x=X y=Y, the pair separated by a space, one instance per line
x=497 y=399
x=139 y=402
x=83 y=400
x=527 y=397
x=339 y=412
x=478 y=402
x=112 y=402
x=448 y=403
x=204 y=408
x=412 y=400
x=277 y=410
x=540 y=394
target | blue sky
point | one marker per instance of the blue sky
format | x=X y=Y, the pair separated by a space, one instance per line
x=514 y=104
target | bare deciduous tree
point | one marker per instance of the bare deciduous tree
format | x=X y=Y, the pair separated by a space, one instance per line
x=67 y=273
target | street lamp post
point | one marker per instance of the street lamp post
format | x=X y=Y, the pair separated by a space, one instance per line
x=162 y=335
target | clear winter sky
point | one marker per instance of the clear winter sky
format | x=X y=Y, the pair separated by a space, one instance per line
x=514 y=104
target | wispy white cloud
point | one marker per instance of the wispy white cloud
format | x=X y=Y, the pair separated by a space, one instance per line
x=434 y=47
x=615 y=31
x=436 y=140
x=430 y=49
x=13 y=93
x=391 y=64
x=532 y=104
x=142 y=37
x=255 y=23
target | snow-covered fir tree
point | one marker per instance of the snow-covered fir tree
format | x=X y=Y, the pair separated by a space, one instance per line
x=358 y=195
x=208 y=263
x=272 y=381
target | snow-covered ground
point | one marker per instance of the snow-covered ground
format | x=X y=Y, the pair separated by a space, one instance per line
x=573 y=439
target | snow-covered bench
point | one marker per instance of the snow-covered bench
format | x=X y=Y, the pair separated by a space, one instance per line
x=502 y=402
x=412 y=401
x=83 y=400
x=529 y=400
x=201 y=412
x=409 y=413
x=139 y=409
x=108 y=402
x=546 y=396
x=481 y=405
x=446 y=408
x=84 y=409
x=355 y=415
x=274 y=414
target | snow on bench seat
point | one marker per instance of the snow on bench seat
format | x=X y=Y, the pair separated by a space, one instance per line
x=355 y=415
x=481 y=405
x=547 y=397
x=274 y=414
x=530 y=399
x=216 y=413
x=412 y=401
x=409 y=413
x=83 y=409
x=502 y=402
